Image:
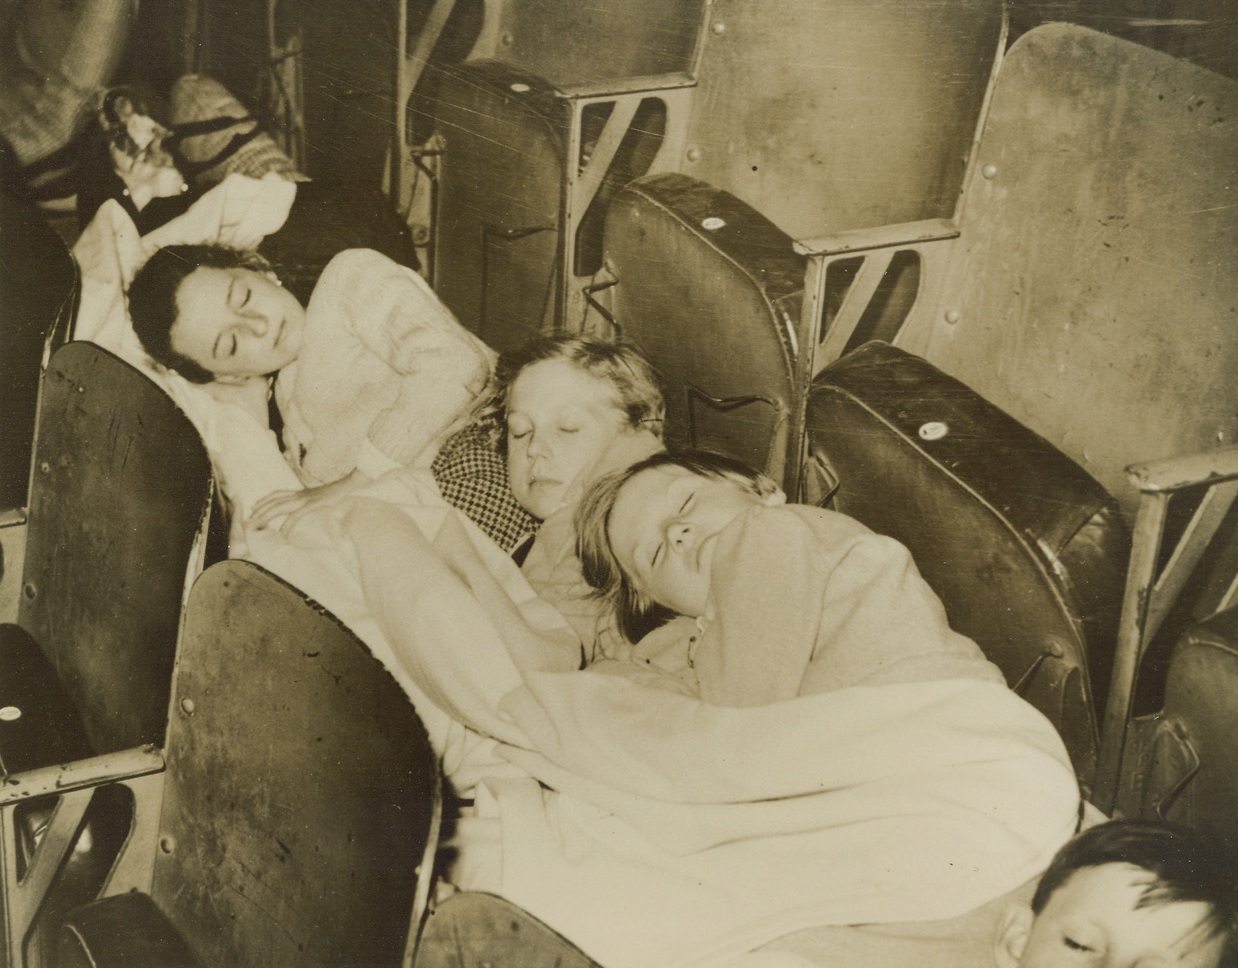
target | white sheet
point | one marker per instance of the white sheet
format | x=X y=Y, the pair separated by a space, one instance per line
x=664 y=831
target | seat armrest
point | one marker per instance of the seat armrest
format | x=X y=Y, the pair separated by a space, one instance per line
x=1187 y=470
x=628 y=85
x=879 y=237
x=81 y=774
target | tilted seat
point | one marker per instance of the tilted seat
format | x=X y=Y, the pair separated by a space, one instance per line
x=1026 y=551
x=1190 y=768
x=300 y=807
x=118 y=506
x=710 y=289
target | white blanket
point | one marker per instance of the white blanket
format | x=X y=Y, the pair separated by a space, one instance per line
x=651 y=828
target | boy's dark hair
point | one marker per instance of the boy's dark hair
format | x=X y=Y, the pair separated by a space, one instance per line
x=152 y=298
x=635 y=615
x=1187 y=866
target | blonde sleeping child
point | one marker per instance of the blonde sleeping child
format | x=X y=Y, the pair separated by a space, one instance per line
x=785 y=600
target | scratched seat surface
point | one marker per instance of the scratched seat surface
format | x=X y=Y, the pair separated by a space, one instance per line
x=120 y=493
x=1091 y=293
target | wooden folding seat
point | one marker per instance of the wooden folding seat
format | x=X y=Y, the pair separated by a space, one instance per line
x=300 y=806
x=710 y=289
x=557 y=107
x=1084 y=284
x=1027 y=552
x=118 y=506
x=836 y=116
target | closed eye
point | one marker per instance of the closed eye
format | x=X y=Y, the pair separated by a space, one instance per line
x=238 y=296
x=1074 y=945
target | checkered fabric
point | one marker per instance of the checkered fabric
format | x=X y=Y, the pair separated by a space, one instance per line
x=473 y=478
x=196 y=97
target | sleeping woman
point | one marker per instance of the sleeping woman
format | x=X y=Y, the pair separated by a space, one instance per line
x=373 y=374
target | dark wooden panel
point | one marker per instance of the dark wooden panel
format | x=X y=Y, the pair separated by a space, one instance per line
x=300 y=786
x=121 y=488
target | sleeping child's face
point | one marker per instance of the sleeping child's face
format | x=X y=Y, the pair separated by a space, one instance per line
x=1101 y=918
x=237 y=323
x=663 y=528
x=560 y=420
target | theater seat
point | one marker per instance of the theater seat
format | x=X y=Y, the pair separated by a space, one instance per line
x=1026 y=551
x=300 y=806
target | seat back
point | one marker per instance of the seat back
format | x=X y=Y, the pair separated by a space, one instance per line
x=498 y=200
x=568 y=43
x=118 y=506
x=1190 y=770
x=828 y=116
x=301 y=795
x=1091 y=293
x=1026 y=551
x=710 y=289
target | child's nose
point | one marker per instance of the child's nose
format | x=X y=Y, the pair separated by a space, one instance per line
x=257 y=325
x=679 y=535
x=537 y=445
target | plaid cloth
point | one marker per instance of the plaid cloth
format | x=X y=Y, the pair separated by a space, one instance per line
x=196 y=97
x=473 y=478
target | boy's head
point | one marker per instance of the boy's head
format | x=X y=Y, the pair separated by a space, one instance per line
x=645 y=536
x=1128 y=894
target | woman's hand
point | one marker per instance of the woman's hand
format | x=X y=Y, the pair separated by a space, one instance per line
x=293 y=506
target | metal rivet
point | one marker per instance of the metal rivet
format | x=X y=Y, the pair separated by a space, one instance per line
x=44 y=467
x=167 y=843
x=952 y=316
x=933 y=430
x=989 y=171
x=9 y=713
x=694 y=154
x=187 y=706
x=713 y=223
x=718 y=28
x=1056 y=650
x=521 y=88
x=29 y=591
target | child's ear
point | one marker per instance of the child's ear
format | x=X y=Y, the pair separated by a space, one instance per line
x=1012 y=934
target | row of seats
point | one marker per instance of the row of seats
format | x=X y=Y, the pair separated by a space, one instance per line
x=168 y=738
x=555 y=110
x=992 y=425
